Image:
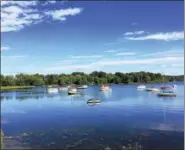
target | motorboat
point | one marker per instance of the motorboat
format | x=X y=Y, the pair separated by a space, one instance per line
x=52 y=89
x=72 y=91
x=141 y=87
x=82 y=87
x=105 y=88
x=167 y=92
x=94 y=101
x=152 y=89
x=63 y=88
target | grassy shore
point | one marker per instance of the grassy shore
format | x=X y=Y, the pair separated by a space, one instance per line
x=15 y=87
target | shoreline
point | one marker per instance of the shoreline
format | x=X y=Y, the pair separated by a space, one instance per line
x=15 y=87
x=4 y=88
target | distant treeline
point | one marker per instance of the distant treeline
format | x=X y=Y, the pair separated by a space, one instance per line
x=82 y=78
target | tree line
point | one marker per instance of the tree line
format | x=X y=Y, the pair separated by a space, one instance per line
x=96 y=77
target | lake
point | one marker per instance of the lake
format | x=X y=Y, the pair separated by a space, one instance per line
x=38 y=120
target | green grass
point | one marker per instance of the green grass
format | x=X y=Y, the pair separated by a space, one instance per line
x=15 y=87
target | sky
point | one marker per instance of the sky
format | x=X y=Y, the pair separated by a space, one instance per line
x=54 y=37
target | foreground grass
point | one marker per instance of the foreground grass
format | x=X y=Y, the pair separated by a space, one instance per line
x=2 y=137
x=15 y=87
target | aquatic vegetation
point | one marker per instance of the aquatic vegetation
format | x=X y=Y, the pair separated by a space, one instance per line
x=132 y=147
x=128 y=147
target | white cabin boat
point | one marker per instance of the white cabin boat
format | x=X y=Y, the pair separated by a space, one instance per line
x=72 y=91
x=82 y=87
x=141 y=87
x=63 y=88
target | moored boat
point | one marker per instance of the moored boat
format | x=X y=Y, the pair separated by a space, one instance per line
x=72 y=91
x=52 y=90
x=105 y=88
x=82 y=87
x=169 y=94
x=141 y=87
x=63 y=88
x=94 y=101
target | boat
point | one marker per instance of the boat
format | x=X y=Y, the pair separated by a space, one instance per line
x=155 y=90
x=72 y=91
x=150 y=88
x=105 y=88
x=63 y=88
x=141 y=87
x=165 y=87
x=169 y=94
x=82 y=87
x=93 y=102
x=96 y=101
x=52 y=90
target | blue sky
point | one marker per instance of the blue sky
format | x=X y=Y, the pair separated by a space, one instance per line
x=64 y=37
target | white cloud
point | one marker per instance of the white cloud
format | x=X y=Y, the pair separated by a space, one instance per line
x=134 y=33
x=160 y=36
x=110 y=51
x=126 y=54
x=19 y=3
x=15 y=15
x=170 y=53
x=5 y=48
x=13 y=57
x=178 y=65
x=162 y=62
x=63 y=13
x=86 y=57
x=151 y=61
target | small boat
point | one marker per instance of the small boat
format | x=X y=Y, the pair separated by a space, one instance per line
x=105 y=88
x=155 y=90
x=167 y=92
x=170 y=94
x=150 y=88
x=165 y=87
x=141 y=87
x=82 y=87
x=93 y=101
x=72 y=91
x=52 y=90
x=63 y=88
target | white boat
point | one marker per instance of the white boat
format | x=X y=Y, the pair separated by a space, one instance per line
x=152 y=89
x=167 y=92
x=72 y=91
x=155 y=90
x=52 y=90
x=141 y=87
x=82 y=87
x=63 y=88
x=105 y=88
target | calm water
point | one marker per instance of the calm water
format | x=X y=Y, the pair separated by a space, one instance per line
x=125 y=116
